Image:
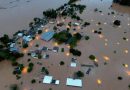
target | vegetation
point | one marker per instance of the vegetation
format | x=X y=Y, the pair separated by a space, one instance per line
x=62 y=49
x=62 y=37
x=79 y=74
x=92 y=57
x=129 y=86
x=50 y=88
x=117 y=22
x=36 y=20
x=39 y=31
x=44 y=70
x=72 y=1
x=30 y=67
x=122 y=2
x=39 y=56
x=37 y=45
x=14 y=87
x=87 y=38
x=51 y=14
x=25 y=45
x=5 y=39
x=119 y=78
x=86 y=24
x=66 y=37
x=33 y=81
x=75 y=52
x=62 y=63
x=6 y=54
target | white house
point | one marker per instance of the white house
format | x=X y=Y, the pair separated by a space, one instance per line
x=20 y=34
x=27 y=38
x=74 y=82
x=73 y=64
x=50 y=80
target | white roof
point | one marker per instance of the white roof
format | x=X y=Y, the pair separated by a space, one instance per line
x=47 y=79
x=74 y=82
x=27 y=38
x=73 y=64
x=77 y=24
x=20 y=34
x=51 y=22
x=12 y=45
x=57 y=82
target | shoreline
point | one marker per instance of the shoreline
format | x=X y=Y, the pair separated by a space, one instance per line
x=121 y=9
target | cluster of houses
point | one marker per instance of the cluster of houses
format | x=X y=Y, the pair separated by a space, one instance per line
x=43 y=52
x=13 y=47
x=69 y=81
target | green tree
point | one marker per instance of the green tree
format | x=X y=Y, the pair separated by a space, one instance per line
x=79 y=74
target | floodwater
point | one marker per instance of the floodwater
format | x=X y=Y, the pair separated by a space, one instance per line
x=15 y=15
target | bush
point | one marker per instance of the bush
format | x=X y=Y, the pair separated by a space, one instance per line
x=31 y=65
x=51 y=13
x=75 y=52
x=117 y=22
x=129 y=86
x=33 y=81
x=5 y=39
x=14 y=87
x=119 y=78
x=25 y=45
x=50 y=88
x=30 y=68
x=37 y=45
x=79 y=74
x=78 y=36
x=39 y=56
x=39 y=31
x=62 y=50
x=86 y=24
x=92 y=57
x=14 y=63
x=43 y=69
x=1 y=46
x=62 y=63
x=87 y=38
x=18 y=77
x=46 y=72
x=29 y=54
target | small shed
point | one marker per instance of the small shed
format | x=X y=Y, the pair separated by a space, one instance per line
x=55 y=49
x=50 y=80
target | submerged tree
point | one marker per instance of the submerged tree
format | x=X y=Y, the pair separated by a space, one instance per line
x=50 y=13
x=14 y=87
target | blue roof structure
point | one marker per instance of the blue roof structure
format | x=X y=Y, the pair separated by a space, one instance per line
x=47 y=35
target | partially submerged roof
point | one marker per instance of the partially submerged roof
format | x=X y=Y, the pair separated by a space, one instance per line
x=76 y=24
x=47 y=79
x=73 y=64
x=74 y=82
x=55 y=49
x=47 y=35
x=50 y=80
x=27 y=38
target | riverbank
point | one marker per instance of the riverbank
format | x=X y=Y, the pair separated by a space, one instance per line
x=121 y=9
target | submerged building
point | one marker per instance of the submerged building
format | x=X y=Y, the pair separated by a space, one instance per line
x=47 y=35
